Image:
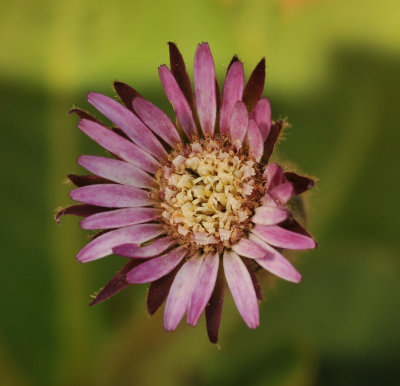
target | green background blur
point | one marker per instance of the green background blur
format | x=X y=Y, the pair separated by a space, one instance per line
x=332 y=69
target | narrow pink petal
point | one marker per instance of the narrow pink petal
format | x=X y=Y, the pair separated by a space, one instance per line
x=156 y=120
x=120 y=218
x=273 y=174
x=153 y=269
x=178 y=101
x=181 y=292
x=203 y=287
x=242 y=288
x=267 y=200
x=254 y=140
x=129 y=123
x=283 y=192
x=119 y=146
x=282 y=238
x=262 y=115
x=204 y=86
x=276 y=263
x=111 y=196
x=135 y=250
x=103 y=245
x=238 y=124
x=233 y=92
x=269 y=215
x=248 y=248
x=118 y=171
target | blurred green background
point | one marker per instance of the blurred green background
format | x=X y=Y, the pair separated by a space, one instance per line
x=332 y=69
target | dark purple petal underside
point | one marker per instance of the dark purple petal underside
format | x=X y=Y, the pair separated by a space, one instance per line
x=217 y=98
x=300 y=183
x=179 y=71
x=273 y=136
x=255 y=86
x=81 y=210
x=84 y=115
x=257 y=288
x=89 y=179
x=214 y=308
x=158 y=291
x=116 y=284
x=126 y=93
x=293 y=225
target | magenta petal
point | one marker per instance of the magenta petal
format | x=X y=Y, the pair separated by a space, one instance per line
x=269 y=215
x=120 y=218
x=129 y=123
x=156 y=120
x=248 y=248
x=233 y=91
x=238 y=124
x=204 y=86
x=283 y=192
x=118 y=171
x=153 y=249
x=112 y=196
x=180 y=292
x=179 y=103
x=273 y=174
x=158 y=267
x=283 y=238
x=203 y=287
x=119 y=146
x=242 y=289
x=103 y=245
x=276 y=263
x=262 y=115
x=254 y=140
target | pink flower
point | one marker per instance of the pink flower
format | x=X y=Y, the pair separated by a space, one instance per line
x=193 y=205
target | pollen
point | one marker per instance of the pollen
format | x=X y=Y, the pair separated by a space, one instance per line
x=208 y=193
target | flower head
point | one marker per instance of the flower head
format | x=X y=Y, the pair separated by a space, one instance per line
x=195 y=204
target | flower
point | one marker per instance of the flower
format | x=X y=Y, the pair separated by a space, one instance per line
x=193 y=205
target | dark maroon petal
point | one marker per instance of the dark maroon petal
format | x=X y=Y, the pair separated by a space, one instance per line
x=90 y=179
x=257 y=288
x=116 y=284
x=126 y=93
x=214 y=308
x=293 y=225
x=300 y=183
x=255 y=86
x=84 y=115
x=81 y=210
x=178 y=69
x=158 y=291
x=273 y=136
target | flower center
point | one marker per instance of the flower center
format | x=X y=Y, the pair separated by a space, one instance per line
x=208 y=193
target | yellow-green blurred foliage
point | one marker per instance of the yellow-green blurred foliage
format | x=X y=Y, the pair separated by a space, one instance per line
x=333 y=70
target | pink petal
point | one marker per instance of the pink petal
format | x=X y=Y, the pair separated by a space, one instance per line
x=120 y=218
x=276 y=263
x=129 y=123
x=269 y=215
x=238 y=124
x=242 y=289
x=248 y=248
x=153 y=269
x=262 y=115
x=103 y=245
x=119 y=146
x=156 y=120
x=254 y=140
x=283 y=192
x=118 y=171
x=111 y=196
x=204 y=86
x=233 y=91
x=203 y=287
x=178 y=101
x=180 y=292
x=273 y=174
x=282 y=238
x=135 y=250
